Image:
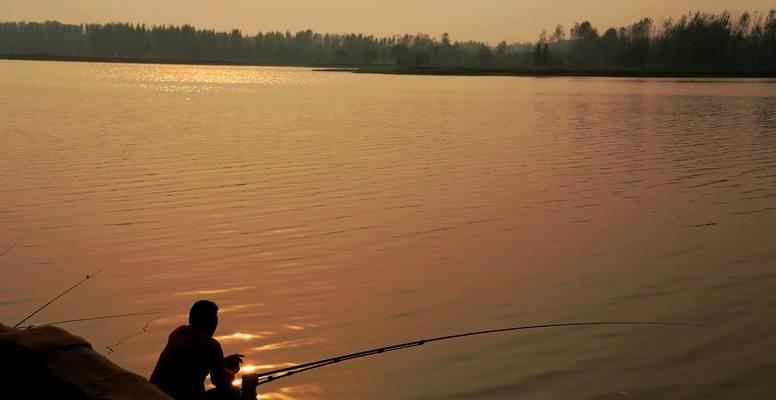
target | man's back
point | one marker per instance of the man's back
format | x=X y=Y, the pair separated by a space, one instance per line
x=189 y=356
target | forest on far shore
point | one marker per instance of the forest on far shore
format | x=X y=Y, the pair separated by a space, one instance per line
x=697 y=41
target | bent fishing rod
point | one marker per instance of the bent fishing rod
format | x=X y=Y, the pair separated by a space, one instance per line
x=56 y=298
x=70 y=321
x=271 y=376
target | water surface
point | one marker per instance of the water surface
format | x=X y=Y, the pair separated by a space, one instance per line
x=329 y=212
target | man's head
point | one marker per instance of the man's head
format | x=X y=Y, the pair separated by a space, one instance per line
x=204 y=315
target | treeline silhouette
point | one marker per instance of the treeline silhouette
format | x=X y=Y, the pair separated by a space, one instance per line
x=696 y=41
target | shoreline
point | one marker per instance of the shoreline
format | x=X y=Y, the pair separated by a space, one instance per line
x=421 y=71
x=553 y=72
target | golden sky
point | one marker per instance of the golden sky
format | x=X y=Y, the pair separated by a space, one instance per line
x=488 y=20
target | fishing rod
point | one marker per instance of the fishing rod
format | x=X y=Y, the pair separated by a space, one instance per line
x=9 y=248
x=70 y=321
x=271 y=376
x=56 y=298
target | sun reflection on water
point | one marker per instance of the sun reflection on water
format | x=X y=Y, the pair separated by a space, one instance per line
x=202 y=79
x=239 y=336
x=289 y=344
x=238 y=307
x=295 y=327
x=308 y=391
x=249 y=368
x=213 y=291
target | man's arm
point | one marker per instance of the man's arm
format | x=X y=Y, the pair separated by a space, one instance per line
x=219 y=377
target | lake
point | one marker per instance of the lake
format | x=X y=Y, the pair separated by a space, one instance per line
x=328 y=213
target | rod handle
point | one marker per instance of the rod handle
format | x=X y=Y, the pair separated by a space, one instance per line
x=249 y=384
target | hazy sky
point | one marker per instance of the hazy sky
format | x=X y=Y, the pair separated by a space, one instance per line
x=489 y=20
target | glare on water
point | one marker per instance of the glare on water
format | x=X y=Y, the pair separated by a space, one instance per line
x=330 y=213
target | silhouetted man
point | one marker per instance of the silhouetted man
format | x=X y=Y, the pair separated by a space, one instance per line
x=191 y=353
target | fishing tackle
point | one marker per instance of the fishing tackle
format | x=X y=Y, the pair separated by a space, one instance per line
x=252 y=380
x=9 y=248
x=56 y=298
x=70 y=321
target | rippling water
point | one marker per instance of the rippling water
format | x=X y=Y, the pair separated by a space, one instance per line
x=328 y=213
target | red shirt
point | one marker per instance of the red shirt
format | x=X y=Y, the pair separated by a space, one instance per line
x=187 y=359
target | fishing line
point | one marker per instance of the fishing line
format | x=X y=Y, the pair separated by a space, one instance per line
x=70 y=321
x=55 y=298
x=112 y=347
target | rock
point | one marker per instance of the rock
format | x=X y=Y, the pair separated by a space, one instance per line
x=49 y=362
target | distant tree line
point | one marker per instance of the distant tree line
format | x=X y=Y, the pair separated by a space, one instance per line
x=696 y=41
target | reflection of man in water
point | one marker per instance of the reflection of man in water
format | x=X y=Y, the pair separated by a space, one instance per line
x=191 y=353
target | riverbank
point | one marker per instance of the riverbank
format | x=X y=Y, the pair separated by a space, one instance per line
x=554 y=72
x=131 y=60
x=49 y=362
x=433 y=71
